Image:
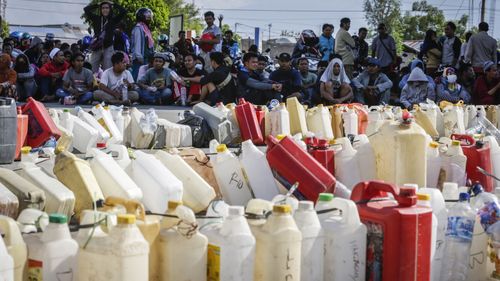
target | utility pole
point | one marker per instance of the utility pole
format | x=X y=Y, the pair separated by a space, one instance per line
x=269 y=26
x=483 y=9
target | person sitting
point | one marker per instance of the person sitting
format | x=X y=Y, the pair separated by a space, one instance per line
x=117 y=85
x=156 y=83
x=219 y=85
x=144 y=68
x=417 y=89
x=191 y=77
x=288 y=77
x=183 y=46
x=8 y=78
x=415 y=63
x=487 y=86
x=449 y=90
x=25 y=85
x=335 y=85
x=308 y=80
x=78 y=82
x=51 y=74
x=372 y=87
x=252 y=86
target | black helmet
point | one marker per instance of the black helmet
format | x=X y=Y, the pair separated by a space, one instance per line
x=140 y=15
x=309 y=37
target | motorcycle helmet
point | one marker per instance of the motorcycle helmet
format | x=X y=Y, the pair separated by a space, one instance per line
x=49 y=37
x=86 y=40
x=140 y=15
x=309 y=38
x=16 y=35
x=163 y=38
x=26 y=35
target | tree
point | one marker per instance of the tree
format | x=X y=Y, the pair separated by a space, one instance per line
x=4 y=30
x=191 y=13
x=159 y=8
x=388 y=12
x=226 y=27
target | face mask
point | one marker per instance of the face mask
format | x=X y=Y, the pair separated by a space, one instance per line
x=452 y=78
x=199 y=66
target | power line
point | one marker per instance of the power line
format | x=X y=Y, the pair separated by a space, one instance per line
x=56 y=1
x=304 y=11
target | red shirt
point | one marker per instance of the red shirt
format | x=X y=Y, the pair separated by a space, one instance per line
x=481 y=88
x=49 y=68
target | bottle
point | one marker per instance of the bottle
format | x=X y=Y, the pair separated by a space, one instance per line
x=124 y=93
x=312 y=242
x=54 y=258
x=183 y=95
x=231 y=248
x=433 y=164
x=450 y=193
x=481 y=198
x=458 y=240
x=7 y=264
x=325 y=203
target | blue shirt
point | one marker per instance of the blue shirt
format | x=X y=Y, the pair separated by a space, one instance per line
x=326 y=47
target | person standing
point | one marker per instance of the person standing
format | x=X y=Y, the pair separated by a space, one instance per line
x=344 y=45
x=362 y=47
x=142 y=45
x=210 y=41
x=451 y=45
x=326 y=44
x=103 y=23
x=481 y=48
x=432 y=50
x=384 y=49
x=231 y=44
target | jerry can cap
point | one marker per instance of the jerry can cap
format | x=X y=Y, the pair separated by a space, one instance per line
x=280 y=137
x=58 y=218
x=172 y=205
x=434 y=144
x=455 y=142
x=221 y=148
x=423 y=197
x=25 y=149
x=126 y=219
x=101 y=145
x=65 y=110
x=283 y=209
x=464 y=197
x=325 y=197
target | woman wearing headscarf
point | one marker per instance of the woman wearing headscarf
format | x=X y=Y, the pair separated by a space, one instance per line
x=104 y=23
x=26 y=86
x=415 y=63
x=432 y=50
x=417 y=90
x=334 y=87
x=7 y=77
x=449 y=90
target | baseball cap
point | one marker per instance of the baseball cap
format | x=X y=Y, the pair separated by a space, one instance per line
x=487 y=65
x=374 y=61
x=284 y=57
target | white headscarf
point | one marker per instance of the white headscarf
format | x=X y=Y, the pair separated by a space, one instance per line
x=329 y=76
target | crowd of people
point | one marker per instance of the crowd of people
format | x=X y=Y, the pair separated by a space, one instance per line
x=112 y=67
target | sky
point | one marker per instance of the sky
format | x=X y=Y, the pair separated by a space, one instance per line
x=282 y=14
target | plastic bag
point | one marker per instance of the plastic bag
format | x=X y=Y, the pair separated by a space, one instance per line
x=201 y=132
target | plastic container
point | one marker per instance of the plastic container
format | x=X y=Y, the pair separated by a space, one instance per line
x=22 y=131
x=424 y=200
x=127 y=120
x=297 y=113
x=347 y=170
x=8 y=127
x=279 y=121
x=325 y=202
x=40 y=126
x=278 y=250
x=9 y=204
x=313 y=242
x=32 y=221
x=65 y=142
x=28 y=194
x=55 y=257
x=261 y=112
x=235 y=128
x=120 y=154
x=323 y=153
x=337 y=122
x=221 y=127
x=171 y=136
x=350 y=119
x=345 y=243
x=84 y=135
x=231 y=249
x=478 y=155
x=229 y=175
x=453 y=118
x=141 y=134
x=257 y=171
x=454 y=164
x=118 y=119
x=375 y=121
x=319 y=122
x=248 y=123
x=450 y=193
x=7 y=265
x=294 y=164
x=104 y=118
x=390 y=255
x=458 y=241
x=104 y=135
x=495 y=156
x=15 y=245
x=158 y=184
x=77 y=175
x=197 y=193
x=424 y=120
x=120 y=256
x=433 y=164
x=59 y=199
x=366 y=157
x=400 y=153
x=112 y=179
x=183 y=250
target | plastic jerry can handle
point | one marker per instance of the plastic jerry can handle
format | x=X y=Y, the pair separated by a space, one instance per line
x=9 y=228
x=465 y=139
x=349 y=211
x=364 y=191
x=271 y=142
x=132 y=206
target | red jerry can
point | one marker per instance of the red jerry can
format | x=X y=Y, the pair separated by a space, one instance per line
x=40 y=126
x=478 y=155
x=296 y=165
x=321 y=151
x=399 y=232
x=22 y=131
x=247 y=120
x=260 y=112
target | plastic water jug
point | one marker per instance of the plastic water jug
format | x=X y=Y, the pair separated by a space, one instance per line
x=391 y=255
x=9 y=204
x=450 y=194
x=278 y=250
x=65 y=141
x=231 y=116
x=400 y=152
x=453 y=117
x=454 y=164
x=168 y=134
x=319 y=122
x=231 y=249
x=158 y=184
x=77 y=175
x=375 y=121
x=84 y=135
x=15 y=246
x=337 y=122
x=55 y=257
x=261 y=111
x=141 y=134
x=127 y=120
x=321 y=151
x=28 y=194
x=345 y=243
x=230 y=178
x=423 y=120
x=279 y=121
x=117 y=115
x=104 y=118
x=296 y=165
x=197 y=193
x=347 y=169
x=297 y=113
x=495 y=156
x=7 y=265
x=313 y=239
x=324 y=206
x=248 y=122
x=492 y=114
x=32 y=221
x=183 y=249
x=221 y=127
x=471 y=113
x=22 y=131
x=120 y=154
x=433 y=164
x=366 y=157
x=40 y=126
x=59 y=199
x=112 y=179
x=258 y=173
x=104 y=135
x=478 y=155
x=350 y=119
x=8 y=127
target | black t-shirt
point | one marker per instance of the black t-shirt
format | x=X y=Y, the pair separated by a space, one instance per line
x=228 y=93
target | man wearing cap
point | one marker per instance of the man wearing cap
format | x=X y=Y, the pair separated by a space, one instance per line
x=288 y=77
x=51 y=74
x=372 y=87
x=156 y=83
x=481 y=48
x=487 y=86
x=344 y=46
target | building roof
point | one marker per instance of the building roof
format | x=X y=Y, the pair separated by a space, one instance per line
x=65 y=32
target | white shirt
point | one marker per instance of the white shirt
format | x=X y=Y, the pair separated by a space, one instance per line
x=114 y=81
